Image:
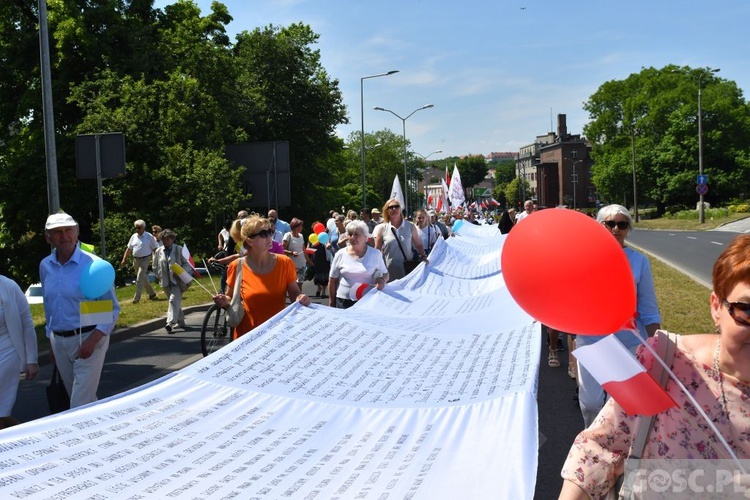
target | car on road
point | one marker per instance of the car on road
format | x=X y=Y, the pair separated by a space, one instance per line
x=34 y=294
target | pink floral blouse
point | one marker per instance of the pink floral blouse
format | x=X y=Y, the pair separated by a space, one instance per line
x=598 y=453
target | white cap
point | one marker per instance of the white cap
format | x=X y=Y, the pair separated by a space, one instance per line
x=60 y=219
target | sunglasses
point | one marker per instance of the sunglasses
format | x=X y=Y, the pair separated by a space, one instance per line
x=394 y=207
x=265 y=233
x=621 y=225
x=739 y=311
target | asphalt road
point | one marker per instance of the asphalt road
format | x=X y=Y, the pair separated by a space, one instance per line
x=691 y=252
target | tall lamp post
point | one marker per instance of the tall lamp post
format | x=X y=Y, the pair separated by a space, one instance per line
x=403 y=121
x=362 y=113
x=635 y=195
x=701 y=210
x=425 y=170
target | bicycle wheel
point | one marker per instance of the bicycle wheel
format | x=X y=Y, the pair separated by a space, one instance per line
x=215 y=333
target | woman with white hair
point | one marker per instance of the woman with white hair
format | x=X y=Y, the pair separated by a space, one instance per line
x=617 y=220
x=353 y=266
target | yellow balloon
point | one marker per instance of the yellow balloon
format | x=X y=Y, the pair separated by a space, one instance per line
x=313 y=238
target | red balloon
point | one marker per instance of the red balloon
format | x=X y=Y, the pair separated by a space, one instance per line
x=567 y=271
x=318 y=228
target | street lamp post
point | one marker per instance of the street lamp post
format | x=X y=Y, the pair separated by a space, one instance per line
x=701 y=210
x=635 y=195
x=362 y=112
x=403 y=122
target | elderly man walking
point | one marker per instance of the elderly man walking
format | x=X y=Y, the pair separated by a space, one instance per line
x=78 y=349
x=141 y=244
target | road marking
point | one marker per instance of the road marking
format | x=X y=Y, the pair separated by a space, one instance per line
x=692 y=238
x=717 y=243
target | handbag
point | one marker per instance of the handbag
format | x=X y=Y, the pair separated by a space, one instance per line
x=666 y=347
x=57 y=396
x=236 y=310
x=409 y=265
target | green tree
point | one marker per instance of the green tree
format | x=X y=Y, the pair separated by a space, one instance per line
x=473 y=170
x=657 y=109
x=513 y=191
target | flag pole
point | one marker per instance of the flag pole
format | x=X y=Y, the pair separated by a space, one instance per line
x=210 y=278
x=698 y=407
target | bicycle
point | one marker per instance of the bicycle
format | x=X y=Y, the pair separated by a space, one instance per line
x=215 y=333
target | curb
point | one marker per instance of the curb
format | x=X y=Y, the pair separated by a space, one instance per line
x=129 y=332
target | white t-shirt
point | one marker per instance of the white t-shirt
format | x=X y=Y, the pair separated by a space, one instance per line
x=143 y=245
x=296 y=245
x=350 y=269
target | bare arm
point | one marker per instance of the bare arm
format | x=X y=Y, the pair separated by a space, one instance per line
x=571 y=491
x=417 y=242
x=333 y=286
x=379 y=240
x=293 y=292
x=125 y=256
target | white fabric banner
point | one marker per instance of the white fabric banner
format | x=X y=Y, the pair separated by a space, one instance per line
x=426 y=389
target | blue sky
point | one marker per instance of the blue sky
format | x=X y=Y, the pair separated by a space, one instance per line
x=497 y=73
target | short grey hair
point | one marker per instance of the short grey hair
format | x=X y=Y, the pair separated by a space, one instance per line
x=358 y=226
x=140 y=223
x=610 y=211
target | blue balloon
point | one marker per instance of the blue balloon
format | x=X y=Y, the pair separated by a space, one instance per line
x=457 y=225
x=323 y=238
x=97 y=279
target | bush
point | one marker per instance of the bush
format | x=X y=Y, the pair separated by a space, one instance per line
x=742 y=208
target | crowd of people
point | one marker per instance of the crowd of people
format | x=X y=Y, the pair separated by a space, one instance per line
x=266 y=261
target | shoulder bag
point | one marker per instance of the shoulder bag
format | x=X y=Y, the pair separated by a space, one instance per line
x=409 y=265
x=236 y=310
x=57 y=397
x=665 y=348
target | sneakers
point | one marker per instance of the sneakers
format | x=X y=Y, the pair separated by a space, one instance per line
x=168 y=328
x=182 y=325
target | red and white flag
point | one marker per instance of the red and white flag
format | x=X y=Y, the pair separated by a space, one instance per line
x=447 y=177
x=358 y=290
x=189 y=258
x=443 y=204
x=623 y=377
x=494 y=202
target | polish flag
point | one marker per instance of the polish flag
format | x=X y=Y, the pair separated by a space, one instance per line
x=358 y=290
x=189 y=258
x=494 y=202
x=447 y=177
x=623 y=377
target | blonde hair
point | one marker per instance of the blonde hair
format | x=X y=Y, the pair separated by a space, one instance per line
x=243 y=228
x=386 y=212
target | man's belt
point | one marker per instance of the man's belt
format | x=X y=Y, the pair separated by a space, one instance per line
x=144 y=257
x=70 y=333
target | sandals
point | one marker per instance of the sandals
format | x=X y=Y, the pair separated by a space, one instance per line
x=572 y=372
x=552 y=360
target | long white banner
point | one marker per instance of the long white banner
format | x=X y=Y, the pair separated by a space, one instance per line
x=424 y=390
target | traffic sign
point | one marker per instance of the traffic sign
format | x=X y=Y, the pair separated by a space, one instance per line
x=701 y=189
x=702 y=179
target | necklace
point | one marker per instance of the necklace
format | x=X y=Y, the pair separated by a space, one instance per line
x=723 y=400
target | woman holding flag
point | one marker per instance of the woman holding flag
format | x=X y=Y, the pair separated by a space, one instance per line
x=267 y=278
x=355 y=268
x=708 y=422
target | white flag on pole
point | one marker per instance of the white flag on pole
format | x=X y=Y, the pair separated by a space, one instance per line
x=456 y=192
x=396 y=192
x=444 y=196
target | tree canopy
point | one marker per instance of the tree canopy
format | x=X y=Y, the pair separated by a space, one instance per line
x=656 y=110
x=179 y=90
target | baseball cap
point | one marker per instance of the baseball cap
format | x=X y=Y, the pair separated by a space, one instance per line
x=60 y=219
x=375 y=211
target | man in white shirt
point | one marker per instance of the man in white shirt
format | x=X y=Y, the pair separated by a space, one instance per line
x=141 y=244
x=528 y=209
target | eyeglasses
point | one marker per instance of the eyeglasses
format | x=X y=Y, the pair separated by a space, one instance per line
x=739 y=311
x=394 y=207
x=621 y=225
x=265 y=233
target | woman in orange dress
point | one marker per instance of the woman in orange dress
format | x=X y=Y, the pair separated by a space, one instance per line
x=267 y=278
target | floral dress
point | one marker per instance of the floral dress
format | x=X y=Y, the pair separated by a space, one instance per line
x=598 y=454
